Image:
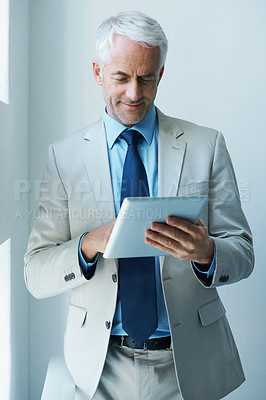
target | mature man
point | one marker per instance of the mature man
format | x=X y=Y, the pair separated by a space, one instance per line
x=170 y=338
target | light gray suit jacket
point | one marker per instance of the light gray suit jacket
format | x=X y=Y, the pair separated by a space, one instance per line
x=76 y=196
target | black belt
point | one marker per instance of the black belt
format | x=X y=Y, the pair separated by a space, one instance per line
x=150 y=344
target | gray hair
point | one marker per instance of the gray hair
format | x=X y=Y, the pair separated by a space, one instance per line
x=135 y=26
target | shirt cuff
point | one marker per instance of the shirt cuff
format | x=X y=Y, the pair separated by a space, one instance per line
x=207 y=274
x=86 y=267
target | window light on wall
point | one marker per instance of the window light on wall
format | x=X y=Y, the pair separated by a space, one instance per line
x=4 y=51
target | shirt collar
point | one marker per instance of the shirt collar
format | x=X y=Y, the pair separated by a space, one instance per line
x=113 y=128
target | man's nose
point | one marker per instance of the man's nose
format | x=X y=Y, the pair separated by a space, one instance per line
x=133 y=90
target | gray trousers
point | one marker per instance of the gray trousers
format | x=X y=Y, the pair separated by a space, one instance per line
x=131 y=374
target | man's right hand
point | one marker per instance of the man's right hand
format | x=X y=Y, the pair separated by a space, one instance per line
x=96 y=241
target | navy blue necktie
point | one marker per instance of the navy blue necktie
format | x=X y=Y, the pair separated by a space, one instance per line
x=137 y=275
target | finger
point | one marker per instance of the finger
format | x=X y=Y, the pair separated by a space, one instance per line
x=169 y=231
x=178 y=252
x=179 y=228
x=194 y=230
x=200 y=223
x=183 y=246
x=180 y=223
x=160 y=246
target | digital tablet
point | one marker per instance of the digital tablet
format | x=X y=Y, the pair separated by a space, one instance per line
x=135 y=217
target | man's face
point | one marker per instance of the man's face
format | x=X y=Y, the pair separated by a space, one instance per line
x=129 y=80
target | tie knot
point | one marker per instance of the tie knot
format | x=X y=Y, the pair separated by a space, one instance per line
x=131 y=136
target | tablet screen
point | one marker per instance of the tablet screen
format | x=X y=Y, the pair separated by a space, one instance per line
x=135 y=217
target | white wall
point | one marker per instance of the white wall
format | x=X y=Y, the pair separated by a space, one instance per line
x=59 y=104
x=14 y=155
x=215 y=76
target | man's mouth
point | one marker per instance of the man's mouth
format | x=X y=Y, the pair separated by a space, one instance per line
x=131 y=106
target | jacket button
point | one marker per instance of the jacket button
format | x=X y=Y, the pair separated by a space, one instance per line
x=72 y=276
x=107 y=324
x=114 y=277
x=66 y=278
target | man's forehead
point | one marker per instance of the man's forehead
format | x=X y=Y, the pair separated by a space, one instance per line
x=121 y=40
x=127 y=55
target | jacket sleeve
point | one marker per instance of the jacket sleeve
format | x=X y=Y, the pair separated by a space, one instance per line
x=227 y=223
x=51 y=261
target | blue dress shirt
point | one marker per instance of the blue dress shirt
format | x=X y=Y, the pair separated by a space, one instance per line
x=148 y=150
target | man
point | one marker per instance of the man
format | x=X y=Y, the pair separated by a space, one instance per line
x=183 y=348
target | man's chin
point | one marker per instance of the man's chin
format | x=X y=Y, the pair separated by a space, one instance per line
x=131 y=118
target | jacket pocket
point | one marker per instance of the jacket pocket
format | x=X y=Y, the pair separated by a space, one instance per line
x=211 y=312
x=77 y=315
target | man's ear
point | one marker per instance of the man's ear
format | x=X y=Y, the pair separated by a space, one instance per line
x=97 y=72
x=161 y=73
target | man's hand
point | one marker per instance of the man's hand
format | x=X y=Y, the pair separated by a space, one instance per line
x=96 y=240
x=182 y=239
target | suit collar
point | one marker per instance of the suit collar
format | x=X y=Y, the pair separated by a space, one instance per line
x=169 y=125
x=94 y=130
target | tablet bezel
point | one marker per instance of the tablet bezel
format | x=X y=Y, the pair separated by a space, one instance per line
x=135 y=217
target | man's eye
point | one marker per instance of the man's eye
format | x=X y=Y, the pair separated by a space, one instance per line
x=147 y=80
x=120 y=79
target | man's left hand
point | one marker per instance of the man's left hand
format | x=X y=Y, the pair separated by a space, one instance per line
x=182 y=239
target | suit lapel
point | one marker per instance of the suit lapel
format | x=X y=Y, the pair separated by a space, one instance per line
x=171 y=151
x=96 y=159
